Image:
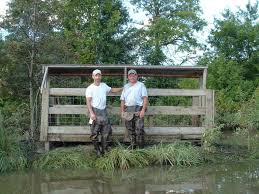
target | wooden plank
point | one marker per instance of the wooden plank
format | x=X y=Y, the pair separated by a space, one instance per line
x=44 y=80
x=204 y=78
x=195 y=118
x=151 y=92
x=148 y=138
x=44 y=114
x=151 y=110
x=85 y=130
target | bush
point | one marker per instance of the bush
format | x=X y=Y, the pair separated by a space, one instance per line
x=248 y=115
x=210 y=138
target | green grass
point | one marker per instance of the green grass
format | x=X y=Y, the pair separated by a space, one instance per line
x=122 y=158
x=11 y=156
x=176 y=154
x=171 y=154
x=65 y=158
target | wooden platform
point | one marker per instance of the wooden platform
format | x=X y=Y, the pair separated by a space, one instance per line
x=202 y=103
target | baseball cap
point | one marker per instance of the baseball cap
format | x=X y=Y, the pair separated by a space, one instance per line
x=132 y=71
x=97 y=71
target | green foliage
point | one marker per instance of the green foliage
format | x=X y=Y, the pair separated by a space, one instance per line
x=233 y=62
x=248 y=115
x=171 y=24
x=244 y=138
x=11 y=156
x=64 y=158
x=95 y=30
x=210 y=138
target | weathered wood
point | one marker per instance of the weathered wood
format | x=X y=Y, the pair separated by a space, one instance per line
x=204 y=78
x=120 y=130
x=195 y=118
x=209 y=118
x=151 y=110
x=44 y=114
x=111 y=70
x=151 y=92
x=120 y=138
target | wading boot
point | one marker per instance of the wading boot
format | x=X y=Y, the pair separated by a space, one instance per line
x=97 y=148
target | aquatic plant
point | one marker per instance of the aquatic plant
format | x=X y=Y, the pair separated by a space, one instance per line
x=122 y=158
x=65 y=158
x=174 y=154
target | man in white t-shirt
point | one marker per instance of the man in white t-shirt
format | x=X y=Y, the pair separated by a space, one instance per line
x=134 y=101
x=96 y=103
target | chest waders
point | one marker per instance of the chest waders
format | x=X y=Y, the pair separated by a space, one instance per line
x=101 y=128
x=135 y=125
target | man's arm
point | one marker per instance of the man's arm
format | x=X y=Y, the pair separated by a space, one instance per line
x=145 y=103
x=90 y=109
x=115 y=90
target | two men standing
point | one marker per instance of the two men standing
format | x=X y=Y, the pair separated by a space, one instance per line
x=134 y=102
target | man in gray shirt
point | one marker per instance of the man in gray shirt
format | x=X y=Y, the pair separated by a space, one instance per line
x=134 y=100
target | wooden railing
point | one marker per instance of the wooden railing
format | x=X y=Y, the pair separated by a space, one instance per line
x=203 y=104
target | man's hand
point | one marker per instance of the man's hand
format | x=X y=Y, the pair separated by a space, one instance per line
x=92 y=116
x=142 y=113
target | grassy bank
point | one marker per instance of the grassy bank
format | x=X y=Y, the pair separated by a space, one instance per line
x=216 y=148
x=121 y=157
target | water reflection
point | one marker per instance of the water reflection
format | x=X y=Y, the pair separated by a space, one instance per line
x=232 y=178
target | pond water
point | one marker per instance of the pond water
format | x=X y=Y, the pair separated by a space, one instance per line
x=221 y=178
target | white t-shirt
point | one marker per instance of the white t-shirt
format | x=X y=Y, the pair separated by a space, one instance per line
x=133 y=94
x=98 y=94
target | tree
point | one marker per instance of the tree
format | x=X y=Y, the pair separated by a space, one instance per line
x=96 y=29
x=236 y=38
x=171 y=24
x=28 y=23
x=233 y=60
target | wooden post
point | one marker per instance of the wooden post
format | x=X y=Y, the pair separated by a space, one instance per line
x=196 y=118
x=45 y=114
x=126 y=134
x=209 y=118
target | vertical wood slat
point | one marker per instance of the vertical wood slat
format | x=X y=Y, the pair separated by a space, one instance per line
x=204 y=79
x=209 y=119
x=44 y=114
x=195 y=118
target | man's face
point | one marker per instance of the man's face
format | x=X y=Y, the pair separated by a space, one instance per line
x=97 y=78
x=132 y=78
